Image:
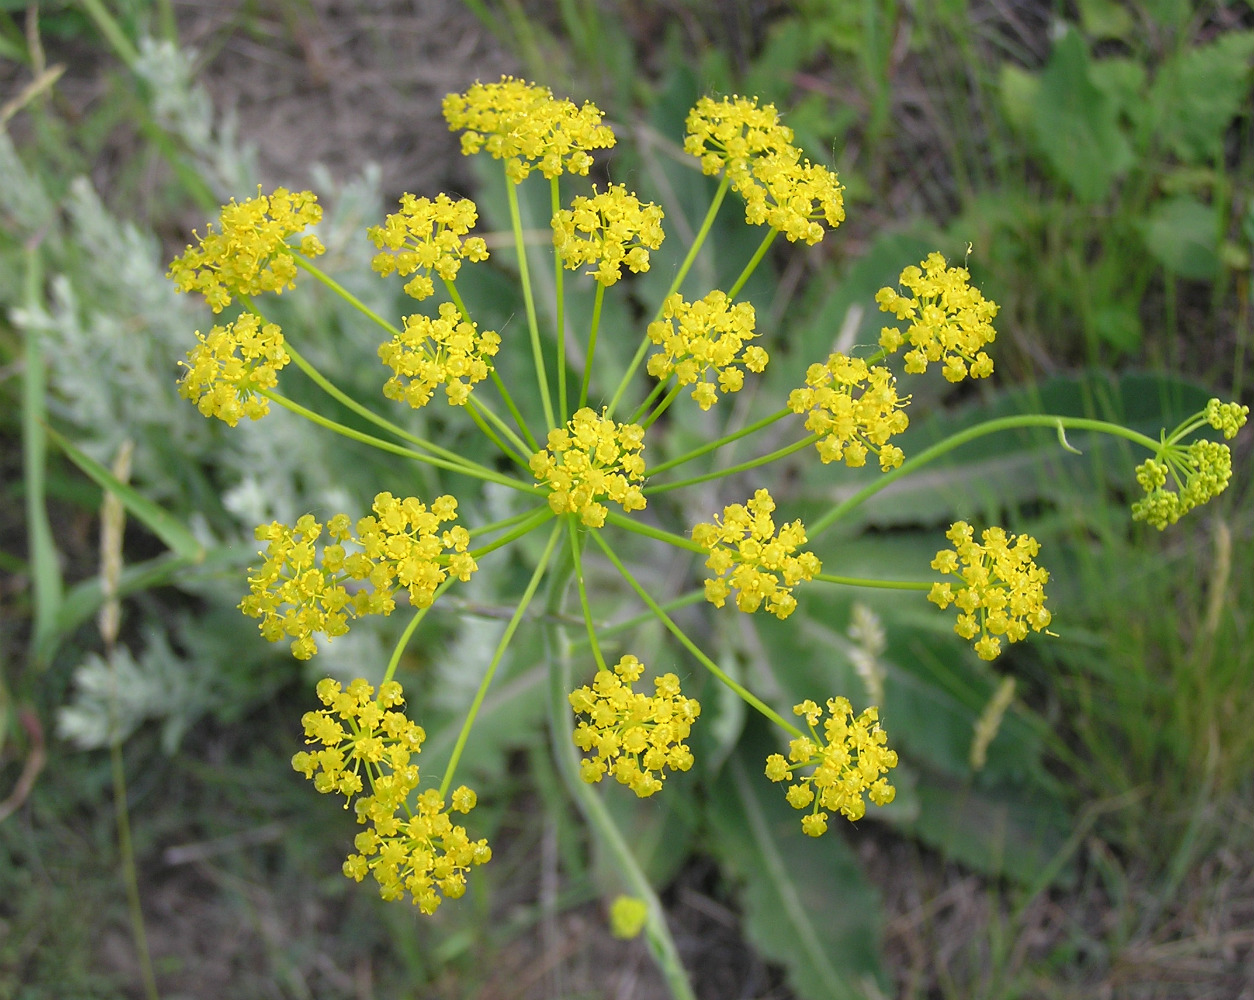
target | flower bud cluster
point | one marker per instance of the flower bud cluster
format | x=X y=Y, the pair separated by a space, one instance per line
x=950 y=321
x=251 y=254
x=635 y=737
x=704 y=337
x=298 y=592
x=590 y=460
x=226 y=369
x=749 y=558
x=408 y=850
x=449 y=351
x=612 y=229
x=849 y=760
x=1002 y=591
x=426 y=236
x=525 y=125
x=851 y=427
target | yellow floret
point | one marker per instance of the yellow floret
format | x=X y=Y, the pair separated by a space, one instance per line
x=251 y=254
x=611 y=230
x=527 y=127
x=591 y=460
x=703 y=339
x=750 y=559
x=1003 y=589
x=847 y=761
x=950 y=322
x=226 y=369
x=427 y=236
x=850 y=427
x=450 y=351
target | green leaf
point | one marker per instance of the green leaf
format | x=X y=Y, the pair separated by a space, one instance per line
x=162 y=524
x=1182 y=236
x=1018 y=90
x=1196 y=95
x=805 y=902
x=1105 y=19
x=1076 y=124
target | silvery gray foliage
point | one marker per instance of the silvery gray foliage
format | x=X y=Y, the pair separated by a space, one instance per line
x=113 y=699
x=184 y=109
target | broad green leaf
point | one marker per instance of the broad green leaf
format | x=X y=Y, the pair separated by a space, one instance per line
x=1076 y=125
x=1018 y=90
x=1197 y=93
x=1182 y=235
x=1105 y=19
x=805 y=902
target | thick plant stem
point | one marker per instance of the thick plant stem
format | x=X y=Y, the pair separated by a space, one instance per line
x=561 y=725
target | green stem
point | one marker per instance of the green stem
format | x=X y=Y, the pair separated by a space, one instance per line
x=307 y=265
x=856 y=581
x=593 y=330
x=748 y=696
x=754 y=261
x=365 y=413
x=395 y=449
x=514 y=412
x=130 y=876
x=657 y=934
x=727 y=439
x=533 y=520
x=501 y=646
x=732 y=470
x=414 y=622
x=555 y=205
x=682 y=273
x=662 y=407
x=473 y=409
x=533 y=325
x=657 y=534
x=970 y=434
x=577 y=562
x=649 y=400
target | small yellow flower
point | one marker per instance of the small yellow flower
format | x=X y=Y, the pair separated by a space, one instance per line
x=729 y=134
x=1002 y=592
x=635 y=736
x=851 y=427
x=628 y=916
x=426 y=236
x=612 y=229
x=527 y=127
x=704 y=338
x=226 y=369
x=1200 y=472
x=251 y=254
x=748 y=557
x=416 y=850
x=299 y=593
x=950 y=321
x=849 y=760
x=591 y=460
x=449 y=351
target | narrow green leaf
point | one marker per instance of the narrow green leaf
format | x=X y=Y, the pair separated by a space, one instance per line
x=162 y=524
x=805 y=902
x=1198 y=92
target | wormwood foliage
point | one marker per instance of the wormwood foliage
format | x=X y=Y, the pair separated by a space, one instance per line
x=584 y=480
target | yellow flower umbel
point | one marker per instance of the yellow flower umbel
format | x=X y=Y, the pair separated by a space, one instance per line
x=781 y=189
x=748 y=557
x=251 y=254
x=299 y=594
x=1200 y=471
x=591 y=460
x=417 y=851
x=611 y=230
x=525 y=125
x=426 y=236
x=1002 y=592
x=851 y=427
x=449 y=351
x=704 y=337
x=635 y=737
x=848 y=761
x=226 y=369
x=949 y=320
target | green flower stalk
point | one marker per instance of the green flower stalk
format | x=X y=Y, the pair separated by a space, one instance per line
x=588 y=479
